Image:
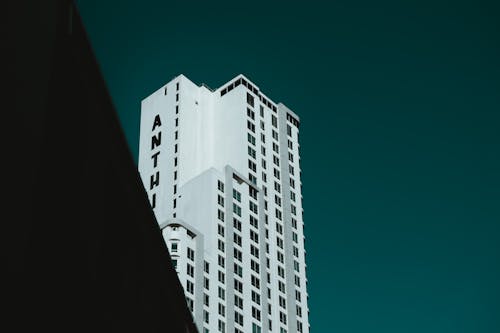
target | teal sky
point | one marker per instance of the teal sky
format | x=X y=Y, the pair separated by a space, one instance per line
x=400 y=138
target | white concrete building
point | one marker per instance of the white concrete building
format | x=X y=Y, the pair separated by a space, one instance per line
x=221 y=168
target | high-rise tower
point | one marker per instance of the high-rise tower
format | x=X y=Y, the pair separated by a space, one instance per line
x=221 y=168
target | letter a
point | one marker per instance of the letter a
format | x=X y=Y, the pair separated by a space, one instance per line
x=157 y=122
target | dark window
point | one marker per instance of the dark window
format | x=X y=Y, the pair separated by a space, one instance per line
x=250 y=99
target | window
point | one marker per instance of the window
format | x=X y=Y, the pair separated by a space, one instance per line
x=250 y=99
x=276 y=148
x=238 y=286
x=282 y=302
x=277 y=187
x=292 y=195
x=221 y=276
x=263 y=150
x=290 y=157
x=176 y=97
x=250 y=114
x=220 y=230
x=236 y=209
x=297 y=281
x=238 y=270
x=237 y=224
x=220 y=200
x=222 y=293
x=289 y=130
x=222 y=326
x=253 y=207
x=190 y=254
x=237 y=239
x=254 y=222
x=276 y=173
x=206 y=283
x=251 y=139
x=236 y=195
x=252 y=178
x=298 y=310
x=251 y=152
x=254 y=236
x=290 y=144
x=255 y=297
x=252 y=166
x=279 y=228
x=251 y=126
x=278 y=214
x=222 y=310
x=276 y=160
x=254 y=251
x=176 y=122
x=283 y=317
x=281 y=271
x=255 y=313
x=220 y=186
x=238 y=317
x=190 y=287
x=221 y=261
x=275 y=135
x=173 y=247
x=274 y=121
x=277 y=200
x=263 y=164
x=238 y=302
x=205 y=316
x=237 y=255
x=279 y=242
x=256 y=328
x=252 y=192
x=206 y=267
x=220 y=215
x=254 y=266
x=255 y=282
x=220 y=245
x=206 y=300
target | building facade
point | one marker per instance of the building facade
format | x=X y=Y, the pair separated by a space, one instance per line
x=221 y=169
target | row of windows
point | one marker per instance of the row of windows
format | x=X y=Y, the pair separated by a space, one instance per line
x=250 y=87
x=176 y=145
x=292 y=119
